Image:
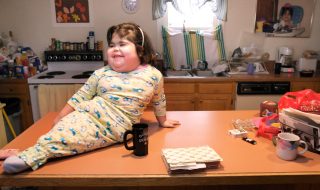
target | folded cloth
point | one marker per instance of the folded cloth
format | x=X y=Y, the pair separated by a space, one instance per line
x=5 y=153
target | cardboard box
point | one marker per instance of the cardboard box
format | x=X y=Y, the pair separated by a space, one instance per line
x=307 y=131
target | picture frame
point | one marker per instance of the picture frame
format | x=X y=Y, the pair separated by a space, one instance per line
x=270 y=15
x=72 y=13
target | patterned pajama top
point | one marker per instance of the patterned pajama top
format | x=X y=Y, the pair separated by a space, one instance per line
x=105 y=107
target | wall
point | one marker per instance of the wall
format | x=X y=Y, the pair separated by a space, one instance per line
x=30 y=21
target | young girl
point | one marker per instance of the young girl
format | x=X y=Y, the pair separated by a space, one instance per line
x=286 y=22
x=107 y=105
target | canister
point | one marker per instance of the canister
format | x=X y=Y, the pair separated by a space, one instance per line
x=19 y=71
x=268 y=107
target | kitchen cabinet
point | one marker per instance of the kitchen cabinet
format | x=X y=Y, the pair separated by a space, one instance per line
x=199 y=96
x=216 y=96
x=296 y=86
x=18 y=88
x=180 y=97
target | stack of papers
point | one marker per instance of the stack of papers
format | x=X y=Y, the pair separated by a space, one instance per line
x=190 y=159
x=312 y=119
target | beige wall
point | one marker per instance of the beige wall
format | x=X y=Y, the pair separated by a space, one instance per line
x=30 y=21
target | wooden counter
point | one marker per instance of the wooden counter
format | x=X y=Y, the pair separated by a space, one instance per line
x=243 y=163
x=291 y=77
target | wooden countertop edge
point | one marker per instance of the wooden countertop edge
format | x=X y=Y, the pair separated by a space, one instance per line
x=159 y=180
x=13 y=81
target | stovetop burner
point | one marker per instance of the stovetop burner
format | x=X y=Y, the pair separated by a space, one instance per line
x=81 y=76
x=87 y=72
x=46 y=77
x=56 y=73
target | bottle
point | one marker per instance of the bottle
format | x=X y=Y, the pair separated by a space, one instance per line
x=24 y=59
x=11 y=68
x=91 y=40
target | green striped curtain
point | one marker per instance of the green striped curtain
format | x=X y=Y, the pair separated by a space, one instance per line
x=219 y=37
x=194 y=47
x=166 y=46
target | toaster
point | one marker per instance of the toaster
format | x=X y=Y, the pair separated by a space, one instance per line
x=305 y=64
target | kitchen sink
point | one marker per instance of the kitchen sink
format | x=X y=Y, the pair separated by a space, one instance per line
x=194 y=73
x=208 y=73
x=172 y=73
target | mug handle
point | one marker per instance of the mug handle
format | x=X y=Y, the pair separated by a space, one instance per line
x=125 y=140
x=275 y=140
x=305 y=147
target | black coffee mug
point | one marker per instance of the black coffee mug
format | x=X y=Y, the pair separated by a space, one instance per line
x=140 y=139
x=277 y=68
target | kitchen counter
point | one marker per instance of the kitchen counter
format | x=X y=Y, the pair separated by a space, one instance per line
x=292 y=77
x=243 y=163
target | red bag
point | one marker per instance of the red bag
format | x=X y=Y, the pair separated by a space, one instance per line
x=304 y=100
x=269 y=126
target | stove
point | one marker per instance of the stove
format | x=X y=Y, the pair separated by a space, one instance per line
x=68 y=67
x=64 y=68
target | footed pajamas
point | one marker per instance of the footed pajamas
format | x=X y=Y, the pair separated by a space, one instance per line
x=105 y=107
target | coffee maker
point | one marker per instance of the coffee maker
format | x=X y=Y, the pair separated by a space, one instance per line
x=284 y=56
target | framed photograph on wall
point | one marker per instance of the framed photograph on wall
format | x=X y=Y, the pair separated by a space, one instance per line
x=285 y=18
x=72 y=13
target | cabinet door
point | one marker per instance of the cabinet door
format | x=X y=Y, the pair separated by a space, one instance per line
x=215 y=96
x=210 y=102
x=296 y=86
x=216 y=88
x=180 y=102
x=179 y=88
x=180 y=96
x=317 y=88
x=19 y=89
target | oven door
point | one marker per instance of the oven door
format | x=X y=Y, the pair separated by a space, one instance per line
x=251 y=94
x=252 y=102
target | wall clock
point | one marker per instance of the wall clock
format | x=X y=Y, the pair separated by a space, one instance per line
x=130 y=6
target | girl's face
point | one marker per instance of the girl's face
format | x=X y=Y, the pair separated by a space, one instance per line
x=122 y=55
x=286 y=16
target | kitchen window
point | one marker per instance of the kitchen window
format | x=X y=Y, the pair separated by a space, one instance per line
x=192 y=16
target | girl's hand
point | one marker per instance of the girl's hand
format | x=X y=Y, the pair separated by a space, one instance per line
x=65 y=111
x=56 y=120
x=5 y=153
x=170 y=123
